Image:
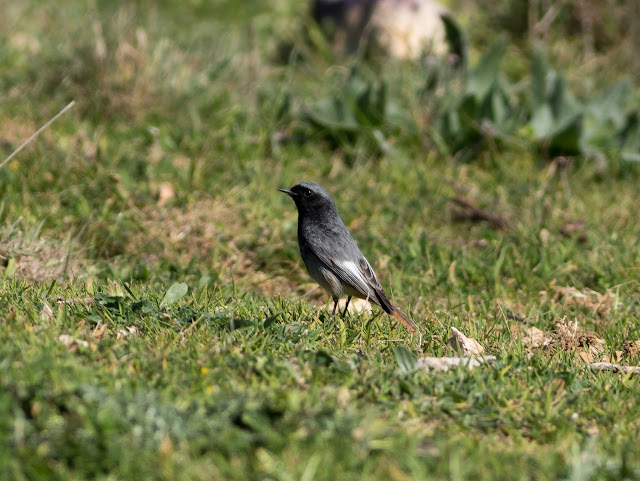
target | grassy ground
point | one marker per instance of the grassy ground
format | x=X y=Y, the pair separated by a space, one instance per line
x=164 y=176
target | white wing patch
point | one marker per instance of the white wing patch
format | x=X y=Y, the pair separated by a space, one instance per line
x=354 y=269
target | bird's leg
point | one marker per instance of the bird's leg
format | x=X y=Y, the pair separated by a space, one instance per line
x=335 y=304
x=346 y=306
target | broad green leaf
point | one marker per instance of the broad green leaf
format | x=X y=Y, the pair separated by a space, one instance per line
x=563 y=105
x=332 y=114
x=176 y=292
x=370 y=105
x=405 y=358
x=539 y=72
x=542 y=121
x=499 y=110
x=455 y=37
x=598 y=133
x=612 y=105
x=629 y=137
x=485 y=73
x=566 y=136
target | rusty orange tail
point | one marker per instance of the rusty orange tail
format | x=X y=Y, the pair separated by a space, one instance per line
x=408 y=323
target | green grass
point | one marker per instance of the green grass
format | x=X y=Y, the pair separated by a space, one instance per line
x=247 y=376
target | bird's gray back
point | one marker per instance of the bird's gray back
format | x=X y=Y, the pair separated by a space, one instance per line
x=327 y=235
x=325 y=243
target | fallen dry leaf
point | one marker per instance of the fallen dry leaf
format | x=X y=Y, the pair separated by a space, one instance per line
x=443 y=364
x=608 y=366
x=99 y=331
x=588 y=354
x=75 y=300
x=586 y=298
x=46 y=313
x=618 y=355
x=468 y=346
x=631 y=348
x=567 y=336
x=570 y=337
x=71 y=342
x=126 y=332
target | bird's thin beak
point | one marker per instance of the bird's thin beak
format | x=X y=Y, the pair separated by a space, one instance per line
x=288 y=191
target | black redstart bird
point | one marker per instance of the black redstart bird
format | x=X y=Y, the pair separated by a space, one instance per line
x=332 y=256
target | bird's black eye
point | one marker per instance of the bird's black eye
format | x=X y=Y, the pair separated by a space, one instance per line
x=307 y=193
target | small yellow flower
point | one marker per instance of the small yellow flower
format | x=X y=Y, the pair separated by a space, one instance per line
x=203 y=370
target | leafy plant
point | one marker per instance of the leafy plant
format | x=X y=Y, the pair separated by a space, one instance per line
x=556 y=116
x=605 y=125
x=483 y=108
x=359 y=118
x=176 y=292
x=610 y=125
x=551 y=117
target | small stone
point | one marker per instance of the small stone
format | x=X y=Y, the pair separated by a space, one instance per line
x=468 y=345
x=356 y=306
x=533 y=337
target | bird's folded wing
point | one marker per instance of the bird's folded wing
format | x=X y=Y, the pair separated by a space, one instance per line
x=357 y=273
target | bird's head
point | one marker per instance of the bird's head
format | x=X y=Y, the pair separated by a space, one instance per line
x=310 y=197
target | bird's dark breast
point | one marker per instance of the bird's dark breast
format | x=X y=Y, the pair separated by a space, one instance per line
x=326 y=235
x=319 y=271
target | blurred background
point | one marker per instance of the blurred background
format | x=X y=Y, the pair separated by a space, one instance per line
x=189 y=115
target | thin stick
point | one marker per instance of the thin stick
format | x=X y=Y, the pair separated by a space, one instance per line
x=518 y=317
x=37 y=132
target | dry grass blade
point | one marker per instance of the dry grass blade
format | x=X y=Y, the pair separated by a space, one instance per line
x=466 y=210
x=585 y=298
x=36 y=133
